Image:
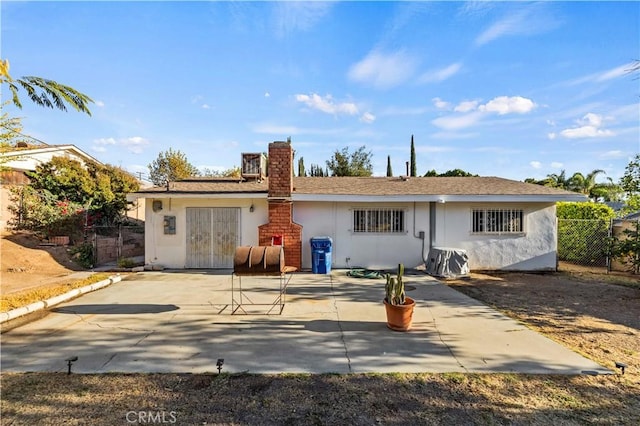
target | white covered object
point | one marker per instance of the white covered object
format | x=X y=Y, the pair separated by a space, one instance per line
x=447 y=262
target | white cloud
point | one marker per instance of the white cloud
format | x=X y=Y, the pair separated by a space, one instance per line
x=298 y=16
x=99 y=103
x=557 y=165
x=368 y=118
x=506 y=105
x=105 y=141
x=454 y=122
x=535 y=164
x=135 y=144
x=528 y=20
x=606 y=75
x=205 y=106
x=383 y=70
x=327 y=105
x=267 y=94
x=466 y=106
x=552 y=135
x=589 y=126
x=440 y=104
x=435 y=76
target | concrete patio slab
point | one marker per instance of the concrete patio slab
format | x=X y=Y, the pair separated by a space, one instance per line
x=180 y=321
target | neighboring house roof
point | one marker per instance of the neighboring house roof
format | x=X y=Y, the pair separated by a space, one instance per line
x=27 y=158
x=441 y=189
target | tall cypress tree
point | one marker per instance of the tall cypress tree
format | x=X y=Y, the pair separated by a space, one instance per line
x=301 y=171
x=389 y=171
x=413 y=159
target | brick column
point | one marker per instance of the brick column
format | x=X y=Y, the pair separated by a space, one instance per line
x=280 y=205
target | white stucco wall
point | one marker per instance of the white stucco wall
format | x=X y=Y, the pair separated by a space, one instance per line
x=170 y=250
x=375 y=251
x=533 y=250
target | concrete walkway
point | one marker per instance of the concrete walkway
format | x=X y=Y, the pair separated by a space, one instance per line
x=180 y=321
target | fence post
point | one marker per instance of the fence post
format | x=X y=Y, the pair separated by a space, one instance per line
x=610 y=248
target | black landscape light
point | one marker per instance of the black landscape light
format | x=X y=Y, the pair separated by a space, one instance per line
x=621 y=366
x=219 y=364
x=71 y=361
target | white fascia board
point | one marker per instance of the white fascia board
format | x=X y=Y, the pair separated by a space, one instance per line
x=438 y=198
x=133 y=196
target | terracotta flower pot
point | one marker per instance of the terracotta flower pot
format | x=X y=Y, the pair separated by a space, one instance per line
x=399 y=316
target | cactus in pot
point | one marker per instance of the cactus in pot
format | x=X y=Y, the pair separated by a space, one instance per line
x=394 y=288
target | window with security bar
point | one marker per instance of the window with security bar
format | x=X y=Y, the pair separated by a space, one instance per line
x=380 y=220
x=497 y=221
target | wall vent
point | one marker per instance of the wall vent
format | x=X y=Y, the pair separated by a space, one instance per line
x=254 y=165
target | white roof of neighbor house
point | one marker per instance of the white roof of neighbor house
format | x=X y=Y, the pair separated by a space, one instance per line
x=27 y=158
x=370 y=189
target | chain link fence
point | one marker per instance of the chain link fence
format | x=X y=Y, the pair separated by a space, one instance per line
x=590 y=243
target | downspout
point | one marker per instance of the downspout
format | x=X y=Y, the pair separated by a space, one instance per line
x=432 y=224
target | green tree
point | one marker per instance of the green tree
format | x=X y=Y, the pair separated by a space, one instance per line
x=413 y=159
x=44 y=92
x=389 y=171
x=316 y=171
x=63 y=195
x=584 y=184
x=357 y=163
x=449 y=173
x=170 y=166
x=301 y=171
x=560 y=180
x=234 y=172
x=630 y=181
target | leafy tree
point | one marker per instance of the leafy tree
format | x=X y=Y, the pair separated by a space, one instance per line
x=558 y=180
x=627 y=248
x=44 y=92
x=357 y=163
x=449 y=173
x=170 y=166
x=301 y=171
x=413 y=159
x=630 y=181
x=63 y=196
x=606 y=192
x=584 y=184
x=316 y=171
x=232 y=172
x=389 y=171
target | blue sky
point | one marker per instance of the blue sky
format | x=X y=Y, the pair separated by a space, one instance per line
x=510 y=89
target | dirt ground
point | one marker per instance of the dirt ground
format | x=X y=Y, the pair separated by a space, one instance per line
x=25 y=264
x=595 y=314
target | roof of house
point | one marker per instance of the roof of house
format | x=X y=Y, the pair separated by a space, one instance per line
x=24 y=152
x=391 y=188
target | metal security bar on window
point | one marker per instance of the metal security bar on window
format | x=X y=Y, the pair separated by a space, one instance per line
x=378 y=220
x=497 y=221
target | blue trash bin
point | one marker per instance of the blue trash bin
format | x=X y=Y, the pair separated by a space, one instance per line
x=321 y=255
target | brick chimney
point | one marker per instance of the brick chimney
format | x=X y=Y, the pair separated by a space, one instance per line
x=280 y=205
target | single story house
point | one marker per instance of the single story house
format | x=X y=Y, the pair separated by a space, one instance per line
x=374 y=222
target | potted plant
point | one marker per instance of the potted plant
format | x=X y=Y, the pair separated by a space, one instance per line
x=398 y=306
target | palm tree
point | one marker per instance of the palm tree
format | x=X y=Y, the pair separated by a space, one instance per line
x=558 y=180
x=43 y=92
x=584 y=184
